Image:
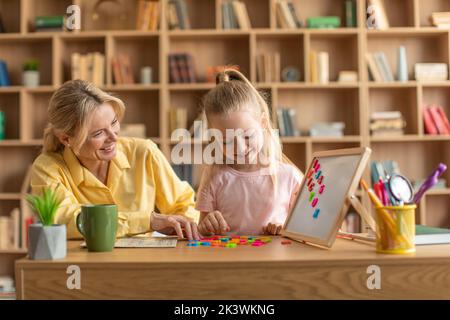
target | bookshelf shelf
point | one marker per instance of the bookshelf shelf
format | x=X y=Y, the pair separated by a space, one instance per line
x=10 y=196
x=438 y=192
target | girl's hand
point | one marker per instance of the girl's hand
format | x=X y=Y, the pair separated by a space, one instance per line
x=167 y=224
x=213 y=223
x=272 y=229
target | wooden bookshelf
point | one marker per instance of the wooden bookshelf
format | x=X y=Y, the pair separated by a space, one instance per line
x=209 y=44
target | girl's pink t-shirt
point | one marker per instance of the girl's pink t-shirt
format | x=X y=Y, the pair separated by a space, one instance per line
x=247 y=200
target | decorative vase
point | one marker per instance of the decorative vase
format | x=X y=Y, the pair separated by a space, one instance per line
x=402 y=65
x=47 y=242
x=30 y=78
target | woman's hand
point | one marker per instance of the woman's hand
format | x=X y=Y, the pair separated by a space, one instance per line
x=272 y=229
x=213 y=223
x=167 y=224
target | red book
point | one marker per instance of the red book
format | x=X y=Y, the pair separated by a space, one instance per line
x=116 y=71
x=430 y=127
x=437 y=120
x=444 y=118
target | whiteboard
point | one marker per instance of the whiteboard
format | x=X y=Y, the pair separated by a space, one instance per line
x=321 y=204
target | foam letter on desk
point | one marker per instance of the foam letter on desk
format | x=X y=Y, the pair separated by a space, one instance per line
x=74 y=280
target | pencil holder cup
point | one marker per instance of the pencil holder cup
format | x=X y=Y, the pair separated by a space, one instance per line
x=396 y=229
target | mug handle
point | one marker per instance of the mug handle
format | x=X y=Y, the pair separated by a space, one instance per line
x=80 y=224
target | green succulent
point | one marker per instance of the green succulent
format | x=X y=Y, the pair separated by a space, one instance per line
x=31 y=65
x=44 y=206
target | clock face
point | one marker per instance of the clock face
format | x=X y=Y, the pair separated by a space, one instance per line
x=290 y=74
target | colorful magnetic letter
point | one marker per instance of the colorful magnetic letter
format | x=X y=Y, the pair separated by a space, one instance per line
x=316 y=213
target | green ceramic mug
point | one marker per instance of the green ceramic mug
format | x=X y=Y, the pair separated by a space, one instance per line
x=98 y=225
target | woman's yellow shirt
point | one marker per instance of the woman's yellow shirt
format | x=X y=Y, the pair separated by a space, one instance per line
x=140 y=179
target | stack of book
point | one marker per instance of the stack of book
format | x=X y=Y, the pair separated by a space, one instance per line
x=287 y=122
x=49 y=23
x=10 y=230
x=320 y=67
x=327 y=129
x=89 y=67
x=235 y=15
x=122 y=71
x=431 y=71
x=287 y=16
x=147 y=15
x=177 y=15
x=7 y=289
x=268 y=67
x=379 y=68
x=382 y=169
x=440 y=19
x=4 y=75
x=327 y=22
x=435 y=120
x=387 y=123
x=377 y=17
x=184 y=172
x=178 y=119
x=181 y=68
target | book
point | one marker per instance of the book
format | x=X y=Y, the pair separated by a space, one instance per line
x=426 y=235
x=294 y=14
x=314 y=76
x=323 y=22
x=241 y=14
x=281 y=123
x=49 y=22
x=327 y=129
x=373 y=68
x=226 y=20
x=385 y=67
x=287 y=16
x=431 y=71
x=323 y=67
x=377 y=15
x=438 y=121
x=268 y=67
x=347 y=76
x=350 y=13
x=4 y=75
x=430 y=127
x=444 y=118
x=178 y=119
x=172 y=16
x=2 y=26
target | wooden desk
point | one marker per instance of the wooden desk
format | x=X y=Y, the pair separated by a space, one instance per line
x=273 y=271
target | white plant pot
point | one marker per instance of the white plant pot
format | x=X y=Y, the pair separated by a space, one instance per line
x=47 y=242
x=30 y=78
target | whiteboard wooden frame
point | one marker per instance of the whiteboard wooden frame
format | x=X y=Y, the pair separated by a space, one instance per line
x=328 y=242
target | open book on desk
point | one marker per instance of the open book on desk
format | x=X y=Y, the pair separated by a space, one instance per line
x=148 y=240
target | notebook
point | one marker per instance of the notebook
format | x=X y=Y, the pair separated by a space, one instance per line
x=155 y=241
x=429 y=235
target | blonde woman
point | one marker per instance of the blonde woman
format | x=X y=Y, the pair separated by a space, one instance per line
x=86 y=162
x=252 y=196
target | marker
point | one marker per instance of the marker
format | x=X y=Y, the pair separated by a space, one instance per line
x=429 y=182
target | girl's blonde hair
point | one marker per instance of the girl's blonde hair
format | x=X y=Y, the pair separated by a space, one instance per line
x=70 y=110
x=234 y=92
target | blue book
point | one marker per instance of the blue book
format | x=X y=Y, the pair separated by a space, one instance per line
x=4 y=76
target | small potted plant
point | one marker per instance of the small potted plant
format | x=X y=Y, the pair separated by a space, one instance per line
x=47 y=241
x=30 y=76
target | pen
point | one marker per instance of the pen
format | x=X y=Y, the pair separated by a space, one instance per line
x=430 y=182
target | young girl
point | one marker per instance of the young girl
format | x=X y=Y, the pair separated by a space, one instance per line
x=251 y=196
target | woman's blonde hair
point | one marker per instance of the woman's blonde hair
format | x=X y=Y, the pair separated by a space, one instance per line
x=70 y=110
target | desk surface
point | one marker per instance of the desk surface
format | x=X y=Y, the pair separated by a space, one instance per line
x=273 y=271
